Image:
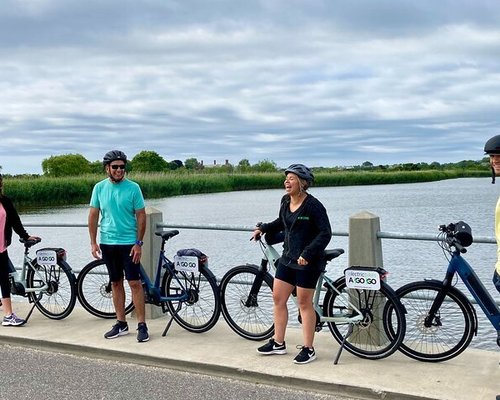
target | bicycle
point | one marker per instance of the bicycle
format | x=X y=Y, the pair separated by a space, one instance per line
x=188 y=290
x=47 y=281
x=355 y=306
x=443 y=320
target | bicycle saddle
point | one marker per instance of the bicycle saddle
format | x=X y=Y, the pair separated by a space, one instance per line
x=165 y=235
x=333 y=253
x=29 y=243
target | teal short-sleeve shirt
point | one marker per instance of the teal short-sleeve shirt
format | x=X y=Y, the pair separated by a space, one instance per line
x=118 y=203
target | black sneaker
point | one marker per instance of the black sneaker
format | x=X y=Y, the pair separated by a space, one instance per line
x=118 y=329
x=305 y=356
x=272 y=348
x=142 y=332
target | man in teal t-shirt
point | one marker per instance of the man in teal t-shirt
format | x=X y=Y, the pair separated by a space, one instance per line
x=120 y=203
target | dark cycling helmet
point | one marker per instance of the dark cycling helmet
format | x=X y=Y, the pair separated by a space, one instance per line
x=301 y=171
x=114 y=155
x=492 y=147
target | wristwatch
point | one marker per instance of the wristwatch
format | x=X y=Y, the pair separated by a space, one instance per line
x=139 y=242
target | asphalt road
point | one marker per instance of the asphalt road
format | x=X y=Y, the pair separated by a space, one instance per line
x=32 y=374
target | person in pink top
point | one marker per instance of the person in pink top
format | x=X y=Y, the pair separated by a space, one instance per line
x=9 y=221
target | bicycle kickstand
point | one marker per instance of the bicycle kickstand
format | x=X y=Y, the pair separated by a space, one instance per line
x=349 y=331
x=31 y=311
x=170 y=321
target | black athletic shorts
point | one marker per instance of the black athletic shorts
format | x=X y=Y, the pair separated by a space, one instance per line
x=305 y=277
x=118 y=260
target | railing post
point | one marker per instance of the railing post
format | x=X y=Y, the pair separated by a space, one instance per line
x=365 y=247
x=150 y=251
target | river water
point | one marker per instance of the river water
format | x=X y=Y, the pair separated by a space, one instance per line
x=402 y=208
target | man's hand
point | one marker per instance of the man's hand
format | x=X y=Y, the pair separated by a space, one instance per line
x=96 y=251
x=136 y=253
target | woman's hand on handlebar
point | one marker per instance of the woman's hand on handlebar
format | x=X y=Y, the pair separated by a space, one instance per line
x=257 y=234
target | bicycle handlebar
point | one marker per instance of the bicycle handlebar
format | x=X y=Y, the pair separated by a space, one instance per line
x=458 y=235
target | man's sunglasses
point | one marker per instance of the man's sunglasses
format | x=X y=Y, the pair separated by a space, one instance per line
x=122 y=166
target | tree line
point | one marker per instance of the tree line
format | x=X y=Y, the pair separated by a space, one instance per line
x=152 y=162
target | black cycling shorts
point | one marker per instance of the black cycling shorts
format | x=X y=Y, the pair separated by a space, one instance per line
x=305 y=277
x=118 y=260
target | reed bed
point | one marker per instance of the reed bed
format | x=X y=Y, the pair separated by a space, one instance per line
x=40 y=191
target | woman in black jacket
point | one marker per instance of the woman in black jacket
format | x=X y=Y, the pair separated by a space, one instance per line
x=9 y=221
x=307 y=233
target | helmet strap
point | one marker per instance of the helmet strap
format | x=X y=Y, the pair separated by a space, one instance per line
x=492 y=175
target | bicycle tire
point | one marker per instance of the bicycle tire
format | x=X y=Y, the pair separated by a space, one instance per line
x=454 y=330
x=371 y=338
x=202 y=310
x=251 y=321
x=94 y=291
x=58 y=301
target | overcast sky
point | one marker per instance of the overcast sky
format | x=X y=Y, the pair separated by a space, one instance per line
x=325 y=83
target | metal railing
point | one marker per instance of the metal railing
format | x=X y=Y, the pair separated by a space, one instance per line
x=247 y=228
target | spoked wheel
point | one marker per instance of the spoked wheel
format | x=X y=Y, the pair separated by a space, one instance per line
x=57 y=283
x=250 y=316
x=381 y=329
x=94 y=291
x=442 y=336
x=201 y=311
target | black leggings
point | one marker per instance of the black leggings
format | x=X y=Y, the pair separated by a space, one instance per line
x=4 y=275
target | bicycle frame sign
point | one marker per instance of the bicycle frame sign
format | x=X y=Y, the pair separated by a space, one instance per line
x=362 y=279
x=46 y=257
x=186 y=263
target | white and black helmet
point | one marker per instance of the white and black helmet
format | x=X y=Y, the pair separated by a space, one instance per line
x=301 y=171
x=114 y=155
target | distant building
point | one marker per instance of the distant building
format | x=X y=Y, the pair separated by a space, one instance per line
x=214 y=164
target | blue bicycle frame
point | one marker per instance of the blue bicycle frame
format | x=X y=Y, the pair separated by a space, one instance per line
x=458 y=265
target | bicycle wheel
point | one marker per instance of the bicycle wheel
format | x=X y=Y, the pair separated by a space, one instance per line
x=372 y=337
x=202 y=309
x=58 y=300
x=451 y=330
x=94 y=291
x=250 y=316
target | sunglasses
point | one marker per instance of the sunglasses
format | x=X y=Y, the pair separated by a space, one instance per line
x=121 y=166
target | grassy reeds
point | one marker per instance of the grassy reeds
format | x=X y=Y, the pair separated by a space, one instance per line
x=35 y=192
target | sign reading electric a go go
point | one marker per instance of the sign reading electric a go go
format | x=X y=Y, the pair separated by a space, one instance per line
x=46 y=257
x=362 y=279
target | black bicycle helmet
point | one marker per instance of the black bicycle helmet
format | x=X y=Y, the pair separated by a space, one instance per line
x=301 y=171
x=492 y=147
x=114 y=155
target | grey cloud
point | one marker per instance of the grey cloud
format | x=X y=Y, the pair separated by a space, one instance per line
x=349 y=81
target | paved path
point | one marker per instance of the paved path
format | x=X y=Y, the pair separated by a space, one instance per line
x=474 y=375
x=58 y=376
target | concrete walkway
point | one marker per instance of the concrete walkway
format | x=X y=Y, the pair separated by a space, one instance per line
x=474 y=375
